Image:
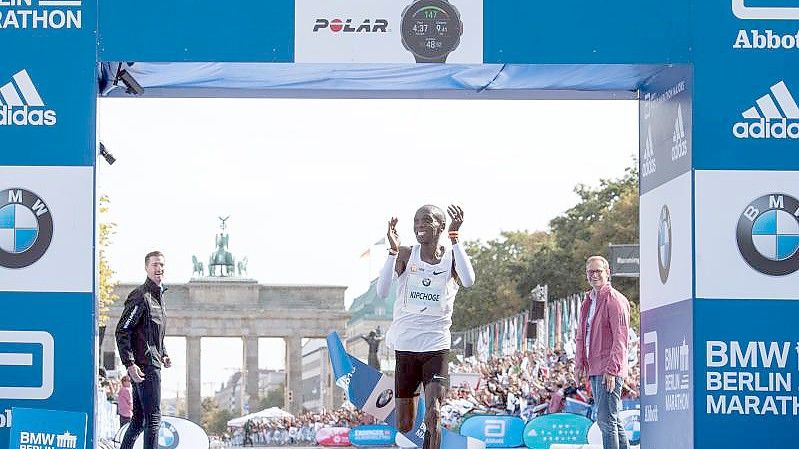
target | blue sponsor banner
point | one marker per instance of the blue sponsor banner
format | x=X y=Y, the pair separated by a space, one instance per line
x=496 y=431
x=747 y=373
x=40 y=429
x=747 y=83
x=665 y=125
x=197 y=30
x=44 y=361
x=48 y=82
x=666 y=386
x=373 y=435
x=557 y=428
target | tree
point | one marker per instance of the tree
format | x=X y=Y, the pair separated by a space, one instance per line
x=509 y=267
x=273 y=398
x=105 y=275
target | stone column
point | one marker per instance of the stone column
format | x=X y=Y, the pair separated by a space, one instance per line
x=251 y=370
x=293 y=374
x=193 y=381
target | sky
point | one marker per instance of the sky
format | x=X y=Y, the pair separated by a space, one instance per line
x=309 y=185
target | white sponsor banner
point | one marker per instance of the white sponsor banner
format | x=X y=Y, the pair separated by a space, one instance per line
x=47 y=229
x=371 y=31
x=666 y=245
x=747 y=234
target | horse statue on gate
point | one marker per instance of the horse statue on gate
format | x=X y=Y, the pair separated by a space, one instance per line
x=198 y=267
x=222 y=258
x=242 y=266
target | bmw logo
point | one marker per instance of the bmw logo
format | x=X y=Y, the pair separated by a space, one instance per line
x=26 y=228
x=664 y=243
x=426 y=282
x=168 y=437
x=768 y=234
x=384 y=398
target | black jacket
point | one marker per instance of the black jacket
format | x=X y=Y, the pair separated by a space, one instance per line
x=141 y=328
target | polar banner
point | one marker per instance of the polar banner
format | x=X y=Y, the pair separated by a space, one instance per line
x=388 y=31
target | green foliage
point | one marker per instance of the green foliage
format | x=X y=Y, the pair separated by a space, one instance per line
x=273 y=398
x=105 y=275
x=509 y=267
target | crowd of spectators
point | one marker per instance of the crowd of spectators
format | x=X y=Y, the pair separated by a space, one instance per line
x=526 y=384
x=298 y=430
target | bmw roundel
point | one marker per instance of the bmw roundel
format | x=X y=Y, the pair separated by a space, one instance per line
x=384 y=398
x=26 y=228
x=768 y=234
x=664 y=243
x=168 y=437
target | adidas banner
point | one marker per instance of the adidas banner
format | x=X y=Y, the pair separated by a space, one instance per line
x=373 y=392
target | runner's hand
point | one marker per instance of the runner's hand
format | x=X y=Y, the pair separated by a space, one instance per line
x=167 y=362
x=392 y=235
x=135 y=373
x=456 y=216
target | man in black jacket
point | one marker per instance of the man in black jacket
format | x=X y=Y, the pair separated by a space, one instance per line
x=140 y=339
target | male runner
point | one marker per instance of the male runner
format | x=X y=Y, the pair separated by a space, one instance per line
x=427 y=276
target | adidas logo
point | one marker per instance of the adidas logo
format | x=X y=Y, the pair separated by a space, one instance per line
x=648 y=165
x=775 y=116
x=21 y=104
x=680 y=143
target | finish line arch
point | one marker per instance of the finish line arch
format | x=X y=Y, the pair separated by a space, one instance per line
x=719 y=129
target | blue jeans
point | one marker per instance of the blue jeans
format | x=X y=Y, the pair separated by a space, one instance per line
x=608 y=407
x=146 y=410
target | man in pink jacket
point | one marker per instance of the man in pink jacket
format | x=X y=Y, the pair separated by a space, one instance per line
x=602 y=349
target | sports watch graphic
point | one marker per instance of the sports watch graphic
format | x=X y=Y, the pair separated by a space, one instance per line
x=431 y=30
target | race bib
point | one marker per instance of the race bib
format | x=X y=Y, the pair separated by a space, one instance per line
x=425 y=293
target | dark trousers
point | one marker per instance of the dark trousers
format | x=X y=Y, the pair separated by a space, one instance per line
x=146 y=410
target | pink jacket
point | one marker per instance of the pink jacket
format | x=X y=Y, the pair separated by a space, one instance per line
x=608 y=345
x=125 y=402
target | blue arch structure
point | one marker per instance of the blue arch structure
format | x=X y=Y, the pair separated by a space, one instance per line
x=717 y=81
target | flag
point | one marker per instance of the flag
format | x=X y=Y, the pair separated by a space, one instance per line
x=366 y=253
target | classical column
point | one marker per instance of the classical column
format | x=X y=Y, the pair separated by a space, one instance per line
x=193 y=381
x=251 y=370
x=293 y=374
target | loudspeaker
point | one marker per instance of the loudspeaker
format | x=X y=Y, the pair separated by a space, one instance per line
x=108 y=360
x=469 y=350
x=537 y=310
x=532 y=330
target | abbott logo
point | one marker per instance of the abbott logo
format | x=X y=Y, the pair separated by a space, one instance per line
x=494 y=428
x=742 y=11
x=650 y=371
x=21 y=104
x=25 y=359
x=775 y=116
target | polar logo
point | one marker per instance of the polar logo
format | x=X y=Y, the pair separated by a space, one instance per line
x=742 y=11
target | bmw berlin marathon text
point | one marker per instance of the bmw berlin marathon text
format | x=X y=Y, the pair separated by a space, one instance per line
x=40 y=14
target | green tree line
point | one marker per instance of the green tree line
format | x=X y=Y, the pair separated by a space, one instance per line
x=509 y=267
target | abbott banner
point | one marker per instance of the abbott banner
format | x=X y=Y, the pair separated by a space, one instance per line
x=388 y=31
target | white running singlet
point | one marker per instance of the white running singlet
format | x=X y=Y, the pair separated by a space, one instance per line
x=423 y=309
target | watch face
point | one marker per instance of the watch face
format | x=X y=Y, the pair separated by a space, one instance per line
x=431 y=29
